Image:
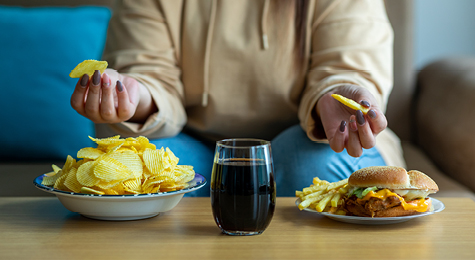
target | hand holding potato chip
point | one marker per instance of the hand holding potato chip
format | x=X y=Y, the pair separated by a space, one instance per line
x=105 y=96
x=88 y=67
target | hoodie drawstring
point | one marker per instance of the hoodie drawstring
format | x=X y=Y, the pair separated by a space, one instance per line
x=265 y=40
x=209 y=37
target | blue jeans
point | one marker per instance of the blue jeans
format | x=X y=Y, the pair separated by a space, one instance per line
x=297 y=160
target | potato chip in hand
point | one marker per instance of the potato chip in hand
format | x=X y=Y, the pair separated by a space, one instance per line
x=88 y=67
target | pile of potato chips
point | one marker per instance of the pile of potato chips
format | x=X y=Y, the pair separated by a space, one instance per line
x=121 y=166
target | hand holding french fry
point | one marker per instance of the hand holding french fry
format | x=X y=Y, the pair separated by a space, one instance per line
x=351 y=119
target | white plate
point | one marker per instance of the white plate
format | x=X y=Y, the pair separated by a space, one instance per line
x=121 y=207
x=437 y=205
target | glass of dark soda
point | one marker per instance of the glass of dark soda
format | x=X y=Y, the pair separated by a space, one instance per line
x=243 y=189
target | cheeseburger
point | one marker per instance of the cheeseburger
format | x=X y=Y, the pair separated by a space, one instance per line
x=388 y=191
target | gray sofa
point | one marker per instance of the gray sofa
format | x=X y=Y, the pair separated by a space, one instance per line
x=430 y=111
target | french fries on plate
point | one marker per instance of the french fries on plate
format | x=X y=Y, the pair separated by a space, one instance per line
x=323 y=196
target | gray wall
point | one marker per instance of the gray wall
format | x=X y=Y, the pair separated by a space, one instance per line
x=443 y=28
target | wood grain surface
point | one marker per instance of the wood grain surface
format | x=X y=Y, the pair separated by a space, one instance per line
x=41 y=228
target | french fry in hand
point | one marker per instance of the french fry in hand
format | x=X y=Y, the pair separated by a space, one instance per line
x=350 y=103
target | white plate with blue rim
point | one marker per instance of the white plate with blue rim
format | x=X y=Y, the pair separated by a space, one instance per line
x=437 y=206
x=121 y=207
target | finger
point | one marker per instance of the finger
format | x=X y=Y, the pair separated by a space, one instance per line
x=108 y=111
x=377 y=121
x=134 y=96
x=125 y=109
x=78 y=96
x=354 y=146
x=364 y=131
x=94 y=98
x=337 y=143
x=365 y=103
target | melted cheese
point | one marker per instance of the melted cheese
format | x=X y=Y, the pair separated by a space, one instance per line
x=419 y=205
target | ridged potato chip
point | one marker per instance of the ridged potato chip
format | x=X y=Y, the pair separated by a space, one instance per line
x=146 y=173
x=172 y=186
x=133 y=185
x=59 y=184
x=88 y=67
x=104 y=185
x=153 y=161
x=155 y=189
x=148 y=184
x=111 y=192
x=71 y=181
x=184 y=173
x=49 y=178
x=85 y=174
x=70 y=163
x=106 y=144
x=89 y=153
x=56 y=169
x=131 y=160
x=109 y=169
x=160 y=162
x=87 y=190
x=144 y=144
x=170 y=160
x=119 y=189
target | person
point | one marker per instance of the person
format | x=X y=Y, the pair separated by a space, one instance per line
x=188 y=73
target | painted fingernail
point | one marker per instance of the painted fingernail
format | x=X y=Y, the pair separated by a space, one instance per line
x=365 y=103
x=352 y=124
x=120 y=87
x=84 y=80
x=106 y=80
x=342 y=126
x=96 y=78
x=372 y=114
x=360 y=118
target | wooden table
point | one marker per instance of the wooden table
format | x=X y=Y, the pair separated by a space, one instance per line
x=41 y=228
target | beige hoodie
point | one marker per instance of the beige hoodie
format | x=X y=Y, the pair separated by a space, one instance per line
x=222 y=68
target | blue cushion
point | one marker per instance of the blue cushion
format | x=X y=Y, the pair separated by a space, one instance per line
x=38 y=48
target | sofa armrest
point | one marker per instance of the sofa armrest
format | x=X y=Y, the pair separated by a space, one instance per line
x=444 y=117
